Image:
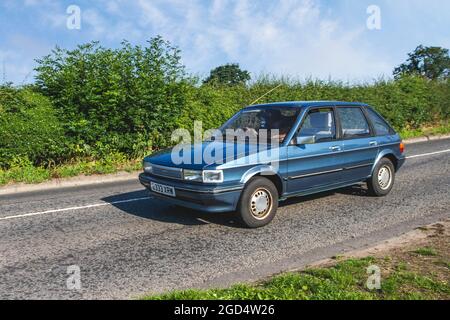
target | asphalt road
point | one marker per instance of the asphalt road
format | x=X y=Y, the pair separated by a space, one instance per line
x=127 y=244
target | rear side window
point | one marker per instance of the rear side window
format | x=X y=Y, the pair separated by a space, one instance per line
x=353 y=122
x=379 y=124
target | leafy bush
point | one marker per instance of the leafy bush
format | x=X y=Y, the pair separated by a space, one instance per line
x=409 y=102
x=122 y=100
x=30 y=132
x=103 y=107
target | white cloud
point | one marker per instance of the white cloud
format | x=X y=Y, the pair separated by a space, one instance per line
x=217 y=8
x=151 y=14
x=292 y=37
x=15 y=68
x=96 y=23
x=19 y=58
x=49 y=13
x=287 y=37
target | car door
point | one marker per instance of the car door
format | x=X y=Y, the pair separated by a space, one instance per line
x=360 y=145
x=314 y=163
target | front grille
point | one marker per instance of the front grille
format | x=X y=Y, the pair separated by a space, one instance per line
x=167 y=172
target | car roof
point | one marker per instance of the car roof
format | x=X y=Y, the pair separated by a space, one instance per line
x=305 y=104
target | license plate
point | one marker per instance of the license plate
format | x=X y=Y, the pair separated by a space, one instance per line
x=162 y=189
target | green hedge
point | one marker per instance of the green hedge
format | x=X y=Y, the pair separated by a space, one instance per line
x=96 y=103
x=30 y=131
x=121 y=100
x=410 y=102
x=33 y=130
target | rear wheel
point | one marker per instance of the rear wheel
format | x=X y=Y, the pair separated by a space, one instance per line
x=259 y=203
x=382 y=180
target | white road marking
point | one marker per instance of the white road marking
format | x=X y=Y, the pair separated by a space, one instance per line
x=73 y=208
x=428 y=154
x=147 y=198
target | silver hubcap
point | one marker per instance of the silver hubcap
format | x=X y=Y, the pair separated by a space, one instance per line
x=384 y=177
x=261 y=203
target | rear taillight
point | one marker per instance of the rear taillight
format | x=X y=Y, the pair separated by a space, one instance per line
x=402 y=147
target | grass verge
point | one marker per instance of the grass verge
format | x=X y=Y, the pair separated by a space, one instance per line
x=407 y=273
x=30 y=174
x=441 y=129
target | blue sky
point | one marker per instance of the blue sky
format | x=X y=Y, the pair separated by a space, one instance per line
x=300 y=38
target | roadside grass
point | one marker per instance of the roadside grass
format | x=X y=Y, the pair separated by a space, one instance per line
x=439 y=129
x=30 y=174
x=425 y=251
x=407 y=273
x=345 y=281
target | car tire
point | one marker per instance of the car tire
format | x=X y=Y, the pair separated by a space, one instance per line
x=383 y=177
x=258 y=203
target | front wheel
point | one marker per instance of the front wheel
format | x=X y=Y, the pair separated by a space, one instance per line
x=382 y=180
x=259 y=203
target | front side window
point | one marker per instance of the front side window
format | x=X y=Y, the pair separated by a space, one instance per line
x=380 y=126
x=353 y=123
x=320 y=124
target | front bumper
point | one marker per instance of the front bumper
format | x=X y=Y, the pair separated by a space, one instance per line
x=197 y=197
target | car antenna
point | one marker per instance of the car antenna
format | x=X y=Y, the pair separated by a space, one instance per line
x=265 y=94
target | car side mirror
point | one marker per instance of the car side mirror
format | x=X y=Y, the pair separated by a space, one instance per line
x=305 y=140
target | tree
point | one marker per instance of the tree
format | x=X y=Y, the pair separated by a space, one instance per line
x=115 y=99
x=228 y=74
x=430 y=62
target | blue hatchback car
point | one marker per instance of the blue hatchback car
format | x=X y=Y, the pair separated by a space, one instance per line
x=319 y=146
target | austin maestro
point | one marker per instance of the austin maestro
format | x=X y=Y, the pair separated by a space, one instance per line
x=319 y=146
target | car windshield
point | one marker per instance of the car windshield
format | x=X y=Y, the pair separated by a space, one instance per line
x=277 y=121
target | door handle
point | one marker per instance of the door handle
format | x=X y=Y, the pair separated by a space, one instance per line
x=335 y=148
x=373 y=143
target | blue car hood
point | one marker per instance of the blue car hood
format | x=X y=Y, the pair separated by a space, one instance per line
x=230 y=152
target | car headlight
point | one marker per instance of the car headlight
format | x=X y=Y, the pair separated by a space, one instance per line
x=192 y=175
x=206 y=176
x=148 y=168
x=213 y=176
